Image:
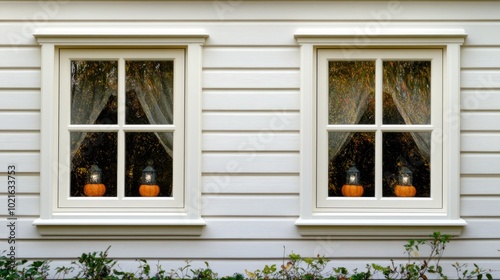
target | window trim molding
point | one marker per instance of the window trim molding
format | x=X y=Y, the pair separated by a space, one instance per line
x=186 y=222
x=373 y=224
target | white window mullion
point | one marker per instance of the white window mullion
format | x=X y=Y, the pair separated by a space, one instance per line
x=121 y=133
x=378 y=123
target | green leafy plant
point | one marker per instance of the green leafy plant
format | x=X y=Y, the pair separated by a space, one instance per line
x=96 y=266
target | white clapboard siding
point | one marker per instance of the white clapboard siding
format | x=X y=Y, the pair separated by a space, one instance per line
x=19 y=120
x=475 y=185
x=251 y=141
x=25 y=183
x=251 y=249
x=481 y=163
x=26 y=162
x=480 y=121
x=249 y=184
x=244 y=57
x=26 y=205
x=250 y=10
x=482 y=79
x=255 y=121
x=250 y=205
x=480 y=142
x=480 y=99
x=265 y=33
x=18 y=57
x=250 y=163
x=251 y=100
x=251 y=79
x=480 y=206
x=19 y=79
x=480 y=57
x=262 y=228
x=20 y=99
x=27 y=141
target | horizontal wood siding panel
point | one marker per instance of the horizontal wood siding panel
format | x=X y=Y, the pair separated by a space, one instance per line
x=19 y=121
x=250 y=206
x=251 y=100
x=480 y=206
x=25 y=183
x=16 y=57
x=26 y=205
x=480 y=164
x=25 y=162
x=26 y=141
x=248 y=142
x=480 y=79
x=20 y=100
x=203 y=250
x=481 y=228
x=277 y=34
x=241 y=184
x=251 y=79
x=480 y=185
x=265 y=122
x=376 y=11
x=480 y=121
x=480 y=57
x=265 y=228
x=228 y=163
x=480 y=99
x=264 y=57
x=20 y=79
x=480 y=142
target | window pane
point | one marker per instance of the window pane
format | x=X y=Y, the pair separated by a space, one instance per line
x=351 y=92
x=149 y=88
x=409 y=149
x=93 y=148
x=94 y=87
x=407 y=92
x=345 y=149
x=145 y=149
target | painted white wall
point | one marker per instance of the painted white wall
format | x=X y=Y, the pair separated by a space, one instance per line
x=250 y=161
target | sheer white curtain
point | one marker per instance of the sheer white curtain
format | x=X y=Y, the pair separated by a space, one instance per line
x=351 y=88
x=408 y=83
x=153 y=85
x=92 y=84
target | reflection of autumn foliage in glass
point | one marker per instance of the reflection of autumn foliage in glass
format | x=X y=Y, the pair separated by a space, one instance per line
x=406 y=100
x=351 y=91
x=94 y=87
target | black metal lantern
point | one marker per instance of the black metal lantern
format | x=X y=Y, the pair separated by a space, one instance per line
x=353 y=176
x=148 y=176
x=405 y=176
x=94 y=175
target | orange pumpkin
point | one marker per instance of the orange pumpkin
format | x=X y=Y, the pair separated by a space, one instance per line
x=405 y=191
x=352 y=190
x=94 y=189
x=149 y=190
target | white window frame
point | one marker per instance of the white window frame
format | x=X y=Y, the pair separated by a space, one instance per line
x=183 y=216
x=350 y=217
x=120 y=202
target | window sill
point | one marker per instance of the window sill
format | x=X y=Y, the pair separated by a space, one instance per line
x=119 y=227
x=379 y=228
